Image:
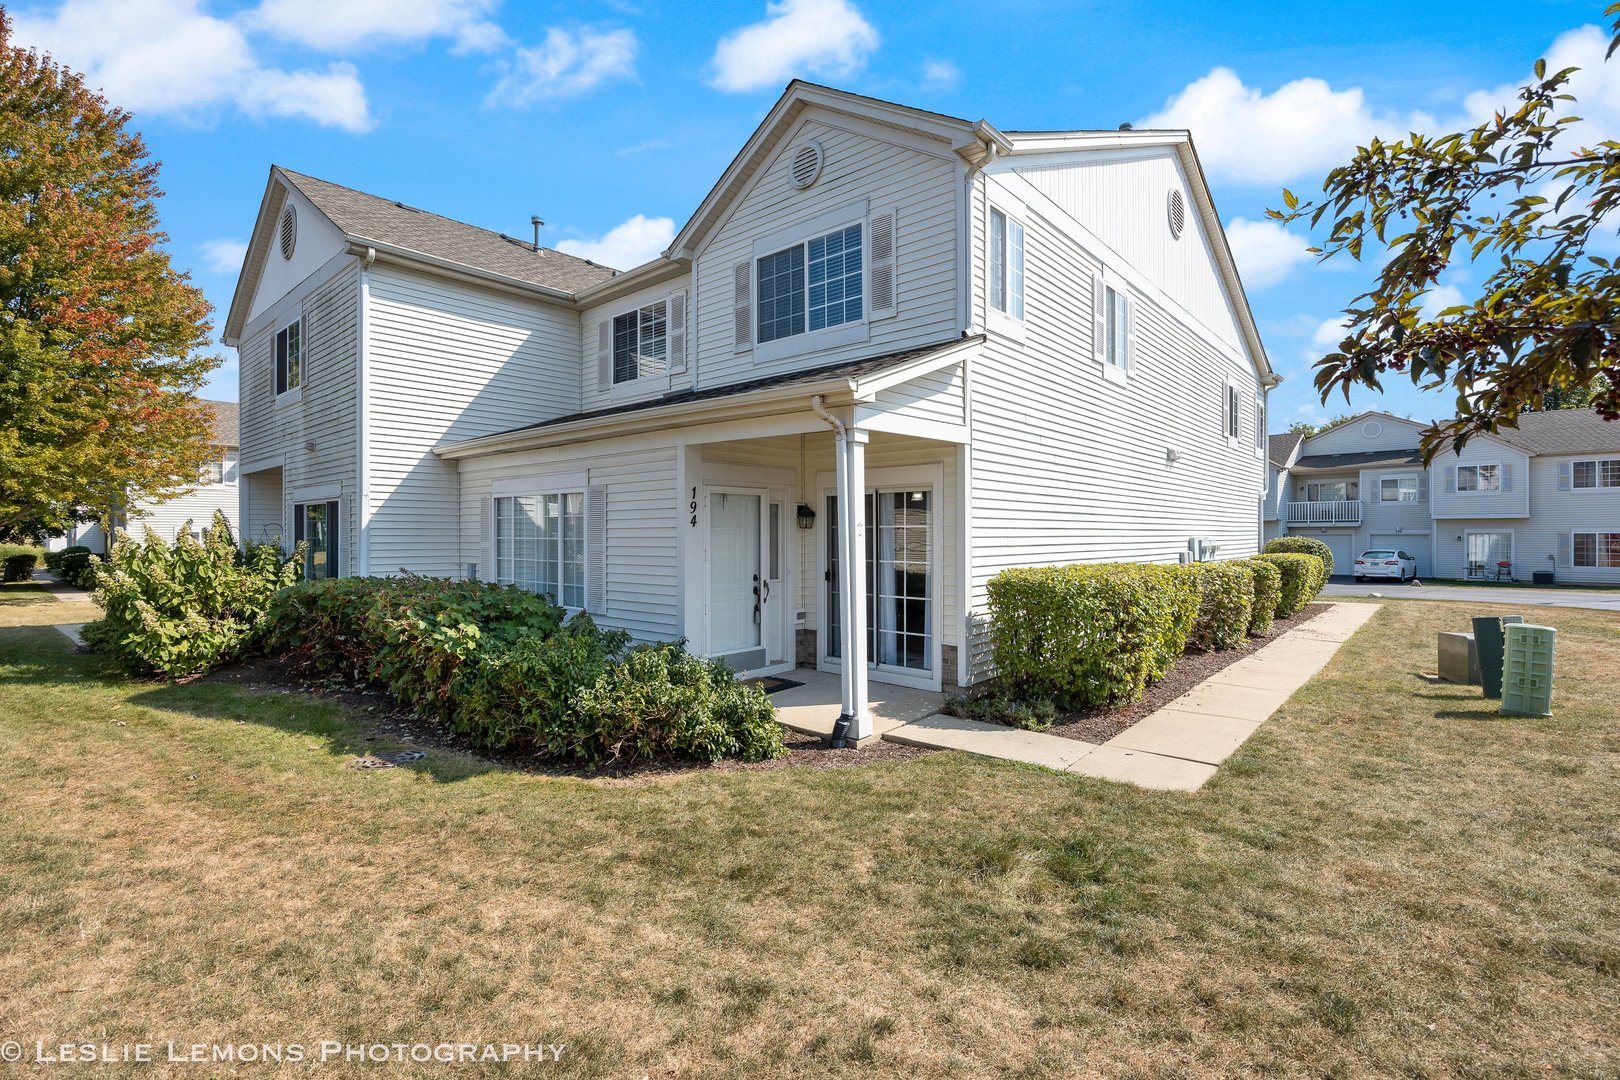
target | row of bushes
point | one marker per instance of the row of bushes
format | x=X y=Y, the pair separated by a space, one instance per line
x=496 y=663
x=17 y=561
x=499 y=665
x=1096 y=635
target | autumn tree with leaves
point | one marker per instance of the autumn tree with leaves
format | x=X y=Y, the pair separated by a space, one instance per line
x=99 y=335
x=1516 y=196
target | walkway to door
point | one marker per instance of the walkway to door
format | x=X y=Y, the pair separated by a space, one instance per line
x=814 y=707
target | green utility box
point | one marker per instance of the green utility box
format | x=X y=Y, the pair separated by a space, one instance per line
x=1527 y=670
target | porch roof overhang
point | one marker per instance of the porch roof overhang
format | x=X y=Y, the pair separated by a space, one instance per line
x=1370 y=459
x=844 y=384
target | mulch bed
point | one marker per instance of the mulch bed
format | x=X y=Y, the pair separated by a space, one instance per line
x=1100 y=725
x=384 y=721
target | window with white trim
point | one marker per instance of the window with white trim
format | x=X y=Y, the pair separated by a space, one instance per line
x=1598 y=473
x=1234 y=416
x=641 y=343
x=812 y=285
x=540 y=544
x=1116 y=354
x=1596 y=549
x=1398 y=489
x=1260 y=423
x=1006 y=265
x=1333 y=491
x=1479 y=478
x=290 y=357
x=317 y=525
x=213 y=472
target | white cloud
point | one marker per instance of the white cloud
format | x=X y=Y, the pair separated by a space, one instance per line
x=1596 y=87
x=626 y=245
x=1266 y=253
x=940 y=75
x=564 y=65
x=1438 y=299
x=820 y=38
x=1328 y=335
x=1303 y=128
x=224 y=255
x=334 y=25
x=166 y=56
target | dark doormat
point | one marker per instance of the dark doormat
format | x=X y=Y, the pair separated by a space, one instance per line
x=772 y=684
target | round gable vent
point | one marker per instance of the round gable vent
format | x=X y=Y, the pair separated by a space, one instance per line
x=1177 y=213
x=806 y=167
x=288 y=231
x=1371 y=429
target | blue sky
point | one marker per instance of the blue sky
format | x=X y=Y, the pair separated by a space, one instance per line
x=611 y=120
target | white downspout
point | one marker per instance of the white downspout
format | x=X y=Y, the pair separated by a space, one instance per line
x=362 y=466
x=846 y=680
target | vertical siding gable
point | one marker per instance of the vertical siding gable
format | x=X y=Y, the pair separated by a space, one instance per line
x=921 y=188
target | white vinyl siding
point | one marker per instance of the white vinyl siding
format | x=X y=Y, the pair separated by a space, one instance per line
x=919 y=188
x=168 y=519
x=1488 y=479
x=449 y=362
x=316 y=438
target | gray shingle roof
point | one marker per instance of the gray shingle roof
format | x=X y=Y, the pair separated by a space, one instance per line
x=1366 y=459
x=371 y=217
x=227 y=427
x=1281 y=447
x=1563 y=431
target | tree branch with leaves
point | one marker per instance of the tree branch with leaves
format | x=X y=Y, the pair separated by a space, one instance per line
x=1516 y=194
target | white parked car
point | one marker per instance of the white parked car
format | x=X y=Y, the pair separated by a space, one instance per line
x=1385 y=563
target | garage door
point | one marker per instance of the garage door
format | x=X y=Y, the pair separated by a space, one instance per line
x=1340 y=543
x=1415 y=546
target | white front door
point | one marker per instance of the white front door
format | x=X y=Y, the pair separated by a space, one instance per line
x=747 y=596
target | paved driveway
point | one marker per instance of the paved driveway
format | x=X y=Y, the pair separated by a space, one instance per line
x=1597 y=599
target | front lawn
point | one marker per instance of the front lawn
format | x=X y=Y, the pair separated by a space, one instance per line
x=1387 y=879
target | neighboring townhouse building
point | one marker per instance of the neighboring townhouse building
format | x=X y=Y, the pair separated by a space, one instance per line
x=1542 y=498
x=216 y=490
x=891 y=354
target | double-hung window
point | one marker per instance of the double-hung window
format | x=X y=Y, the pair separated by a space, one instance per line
x=1596 y=549
x=1234 y=419
x=813 y=285
x=1398 y=489
x=1260 y=423
x=1006 y=265
x=1601 y=473
x=316 y=526
x=641 y=343
x=1116 y=354
x=290 y=357
x=1479 y=478
x=540 y=544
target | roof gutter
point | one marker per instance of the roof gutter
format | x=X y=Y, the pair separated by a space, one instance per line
x=366 y=247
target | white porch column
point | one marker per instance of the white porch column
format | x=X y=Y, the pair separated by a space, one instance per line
x=853 y=555
x=841 y=468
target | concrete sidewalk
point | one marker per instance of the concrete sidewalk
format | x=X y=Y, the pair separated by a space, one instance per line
x=1179 y=747
x=1596 y=599
x=58 y=588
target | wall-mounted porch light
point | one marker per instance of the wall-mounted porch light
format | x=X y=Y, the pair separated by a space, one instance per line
x=807 y=516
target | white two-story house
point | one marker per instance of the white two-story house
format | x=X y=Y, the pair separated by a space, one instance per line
x=890 y=354
x=1539 y=499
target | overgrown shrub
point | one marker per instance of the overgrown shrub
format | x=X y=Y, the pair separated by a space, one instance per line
x=1302 y=578
x=77 y=566
x=53 y=560
x=19 y=561
x=498 y=665
x=186 y=607
x=1089 y=635
x=1225 y=604
x=1267 y=591
x=1303 y=545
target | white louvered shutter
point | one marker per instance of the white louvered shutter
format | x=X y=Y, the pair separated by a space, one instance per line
x=1451 y=479
x=677 y=331
x=1423 y=487
x=1507 y=476
x=1099 y=319
x=1565 y=477
x=1565 y=556
x=884 y=301
x=1128 y=317
x=604 y=354
x=596 y=549
x=486 y=539
x=742 y=307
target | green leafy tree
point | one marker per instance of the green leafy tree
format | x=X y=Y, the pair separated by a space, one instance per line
x=1515 y=193
x=99 y=343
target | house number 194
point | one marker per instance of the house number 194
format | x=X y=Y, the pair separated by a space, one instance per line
x=693 y=507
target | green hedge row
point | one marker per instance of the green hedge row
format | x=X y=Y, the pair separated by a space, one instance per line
x=17 y=561
x=1099 y=634
x=1303 y=545
x=500 y=666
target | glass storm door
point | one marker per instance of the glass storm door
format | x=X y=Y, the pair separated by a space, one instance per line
x=1485 y=550
x=899 y=579
x=736 y=590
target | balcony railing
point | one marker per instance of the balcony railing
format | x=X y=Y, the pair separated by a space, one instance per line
x=1324 y=513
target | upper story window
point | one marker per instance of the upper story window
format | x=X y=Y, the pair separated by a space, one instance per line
x=290 y=357
x=1333 y=491
x=1601 y=473
x=1260 y=423
x=1234 y=420
x=641 y=343
x=1006 y=265
x=1398 y=489
x=213 y=472
x=1479 y=478
x=1115 y=354
x=812 y=285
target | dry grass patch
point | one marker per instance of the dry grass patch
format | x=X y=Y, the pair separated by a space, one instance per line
x=1387 y=879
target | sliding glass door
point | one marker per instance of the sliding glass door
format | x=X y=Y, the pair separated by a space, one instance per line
x=900 y=582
